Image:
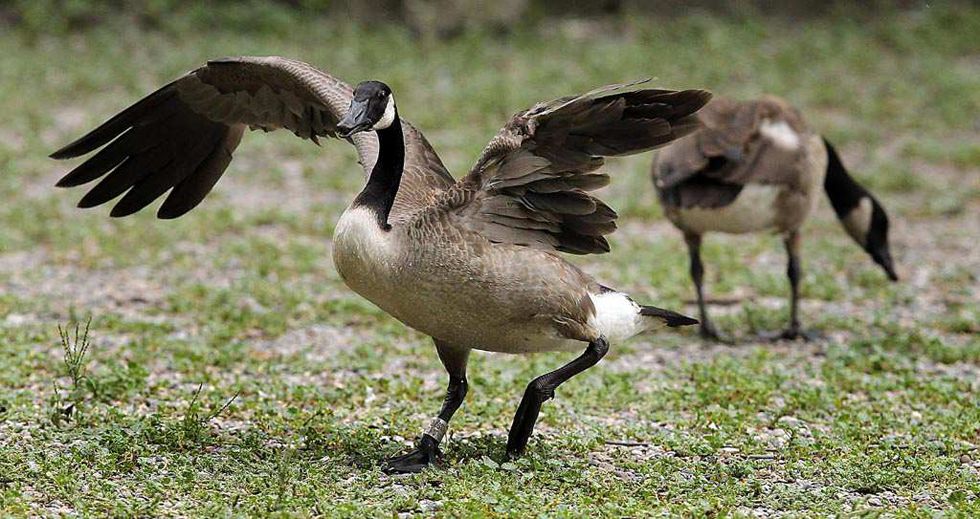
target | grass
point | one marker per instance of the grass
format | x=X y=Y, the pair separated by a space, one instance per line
x=226 y=370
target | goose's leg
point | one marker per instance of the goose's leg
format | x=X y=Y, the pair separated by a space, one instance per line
x=427 y=448
x=542 y=389
x=792 y=244
x=708 y=330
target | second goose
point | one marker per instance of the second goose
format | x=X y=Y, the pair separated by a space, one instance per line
x=756 y=166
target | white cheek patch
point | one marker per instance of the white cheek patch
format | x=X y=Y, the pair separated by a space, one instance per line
x=388 y=117
x=858 y=221
x=781 y=134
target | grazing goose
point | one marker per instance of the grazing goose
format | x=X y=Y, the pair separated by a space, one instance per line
x=756 y=166
x=472 y=263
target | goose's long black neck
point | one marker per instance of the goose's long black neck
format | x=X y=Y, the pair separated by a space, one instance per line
x=844 y=192
x=382 y=186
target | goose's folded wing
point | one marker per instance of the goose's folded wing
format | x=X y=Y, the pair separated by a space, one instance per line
x=531 y=184
x=181 y=138
x=685 y=176
x=758 y=142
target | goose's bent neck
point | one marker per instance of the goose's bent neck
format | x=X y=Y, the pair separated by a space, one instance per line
x=844 y=192
x=382 y=186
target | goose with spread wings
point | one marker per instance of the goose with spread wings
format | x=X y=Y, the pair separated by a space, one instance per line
x=474 y=263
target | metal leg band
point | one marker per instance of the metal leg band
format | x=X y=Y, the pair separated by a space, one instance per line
x=437 y=429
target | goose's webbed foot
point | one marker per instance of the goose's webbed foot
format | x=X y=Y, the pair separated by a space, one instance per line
x=793 y=333
x=709 y=332
x=424 y=454
x=426 y=450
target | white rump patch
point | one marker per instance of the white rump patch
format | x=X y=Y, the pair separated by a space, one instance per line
x=780 y=133
x=389 y=115
x=617 y=317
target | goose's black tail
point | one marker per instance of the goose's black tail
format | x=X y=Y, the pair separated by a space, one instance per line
x=669 y=317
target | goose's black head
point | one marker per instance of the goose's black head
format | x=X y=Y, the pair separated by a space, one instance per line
x=876 y=240
x=372 y=108
x=867 y=222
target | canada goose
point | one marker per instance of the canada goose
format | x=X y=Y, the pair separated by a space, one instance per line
x=472 y=263
x=756 y=166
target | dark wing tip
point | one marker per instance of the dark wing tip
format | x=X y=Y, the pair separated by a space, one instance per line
x=87 y=202
x=168 y=213
x=697 y=96
x=62 y=154
x=690 y=101
x=76 y=148
x=126 y=207
x=673 y=319
x=702 y=95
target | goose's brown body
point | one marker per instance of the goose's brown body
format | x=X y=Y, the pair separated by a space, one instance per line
x=773 y=184
x=476 y=265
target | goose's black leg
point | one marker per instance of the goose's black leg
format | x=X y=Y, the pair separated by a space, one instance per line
x=542 y=389
x=708 y=330
x=793 y=272
x=792 y=243
x=427 y=447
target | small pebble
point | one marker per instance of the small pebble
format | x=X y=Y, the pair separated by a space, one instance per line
x=427 y=505
x=790 y=421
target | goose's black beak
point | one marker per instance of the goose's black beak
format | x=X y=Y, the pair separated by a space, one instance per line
x=356 y=120
x=884 y=259
x=890 y=271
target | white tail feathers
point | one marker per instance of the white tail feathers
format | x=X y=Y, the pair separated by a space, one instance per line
x=617 y=317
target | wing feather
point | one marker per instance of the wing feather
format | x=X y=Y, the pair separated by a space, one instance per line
x=710 y=167
x=531 y=184
x=181 y=138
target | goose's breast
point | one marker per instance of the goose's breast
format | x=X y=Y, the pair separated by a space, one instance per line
x=754 y=209
x=417 y=281
x=364 y=254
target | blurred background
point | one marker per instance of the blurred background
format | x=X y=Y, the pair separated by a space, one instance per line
x=440 y=18
x=240 y=297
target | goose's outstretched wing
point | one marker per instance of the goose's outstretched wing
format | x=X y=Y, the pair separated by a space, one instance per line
x=530 y=185
x=181 y=137
x=742 y=142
